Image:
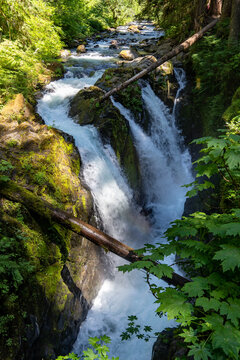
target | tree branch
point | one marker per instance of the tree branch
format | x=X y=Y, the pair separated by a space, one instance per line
x=182 y=47
x=15 y=192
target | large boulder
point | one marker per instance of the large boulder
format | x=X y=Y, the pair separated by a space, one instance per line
x=56 y=295
x=113 y=127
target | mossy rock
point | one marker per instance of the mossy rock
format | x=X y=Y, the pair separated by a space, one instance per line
x=113 y=127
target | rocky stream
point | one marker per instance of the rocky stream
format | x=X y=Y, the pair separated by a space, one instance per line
x=133 y=161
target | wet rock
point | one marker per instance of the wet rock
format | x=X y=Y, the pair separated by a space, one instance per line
x=140 y=63
x=114 y=44
x=65 y=54
x=134 y=29
x=81 y=49
x=128 y=55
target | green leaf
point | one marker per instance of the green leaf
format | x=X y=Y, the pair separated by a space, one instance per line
x=233 y=159
x=174 y=304
x=199 y=352
x=161 y=270
x=232 y=310
x=105 y=339
x=229 y=256
x=208 y=304
x=89 y=354
x=196 y=287
x=189 y=335
x=227 y=338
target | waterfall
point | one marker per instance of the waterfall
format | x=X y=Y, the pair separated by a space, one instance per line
x=164 y=168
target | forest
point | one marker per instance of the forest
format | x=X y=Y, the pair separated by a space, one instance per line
x=50 y=273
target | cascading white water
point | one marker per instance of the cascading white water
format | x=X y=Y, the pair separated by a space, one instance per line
x=164 y=168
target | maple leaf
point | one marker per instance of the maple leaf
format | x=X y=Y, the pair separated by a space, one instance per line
x=229 y=256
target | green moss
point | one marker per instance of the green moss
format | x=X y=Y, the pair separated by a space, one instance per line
x=232 y=111
x=49 y=279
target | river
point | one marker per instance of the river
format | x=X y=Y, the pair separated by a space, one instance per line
x=165 y=166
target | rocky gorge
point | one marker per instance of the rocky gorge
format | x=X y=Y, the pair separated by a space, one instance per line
x=68 y=270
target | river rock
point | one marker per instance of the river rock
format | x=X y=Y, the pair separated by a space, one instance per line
x=128 y=55
x=81 y=49
x=65 y=54
x=58 y=293
x=114 y=44
x=113 y=127
x=134 y=29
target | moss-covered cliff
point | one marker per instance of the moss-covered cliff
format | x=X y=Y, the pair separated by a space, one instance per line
x=55 y=279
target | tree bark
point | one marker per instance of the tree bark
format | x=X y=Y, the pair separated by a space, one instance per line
x=234 y=33
x=216 y=8
x=14 y=192
x=226 y=9
x=182 y=47
x=200 y=11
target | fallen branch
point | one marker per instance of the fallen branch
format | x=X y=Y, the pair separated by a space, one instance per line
x=14 y=192
x=182 y=47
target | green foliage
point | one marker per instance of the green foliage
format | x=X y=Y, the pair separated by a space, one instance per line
x=131 y=97
x=98 y=350
x=135 y=329
x=207 y=245
x=5 y=167
x=14 y=270
x=175 y=16
x=217 y=78
x=28 y=38
x=79 y=19
x=30 y=22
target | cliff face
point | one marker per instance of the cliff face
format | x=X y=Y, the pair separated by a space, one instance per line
x=60 y=272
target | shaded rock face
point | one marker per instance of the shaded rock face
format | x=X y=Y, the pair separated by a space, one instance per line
x=168 y=346
x=113 y=128
x=68 y=269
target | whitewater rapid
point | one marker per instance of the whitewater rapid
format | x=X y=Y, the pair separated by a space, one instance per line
x=165 y=167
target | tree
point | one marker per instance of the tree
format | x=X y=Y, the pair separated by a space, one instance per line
x=216 y=7
x=226 y=9
x=234 y=32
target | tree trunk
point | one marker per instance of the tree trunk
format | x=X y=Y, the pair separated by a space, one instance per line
x=200 y=7
x=14 y=192
x=182 y=47
x=215 y=8
x=233 y=39
x=226 y=9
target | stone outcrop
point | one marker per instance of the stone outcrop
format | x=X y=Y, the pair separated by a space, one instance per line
x=59 y=291
x=169 y=346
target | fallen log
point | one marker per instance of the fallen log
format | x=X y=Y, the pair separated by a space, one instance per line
x=182 y=47
x=17 y=193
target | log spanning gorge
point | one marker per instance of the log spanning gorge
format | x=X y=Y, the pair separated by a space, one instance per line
x=165 y=165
